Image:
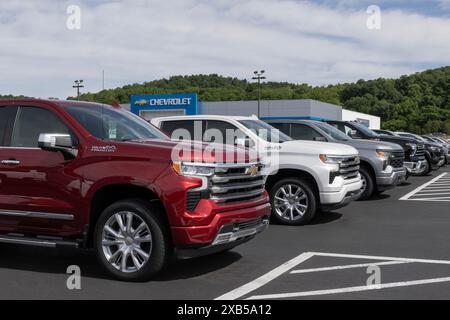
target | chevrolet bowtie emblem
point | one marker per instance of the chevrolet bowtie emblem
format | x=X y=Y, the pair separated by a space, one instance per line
x=252 y=170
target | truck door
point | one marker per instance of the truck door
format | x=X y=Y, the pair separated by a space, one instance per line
x=39 y=190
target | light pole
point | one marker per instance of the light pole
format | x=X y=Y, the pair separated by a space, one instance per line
x=78 y=85
x=259 y=76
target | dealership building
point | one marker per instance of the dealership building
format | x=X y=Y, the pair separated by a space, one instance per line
x=152 y=106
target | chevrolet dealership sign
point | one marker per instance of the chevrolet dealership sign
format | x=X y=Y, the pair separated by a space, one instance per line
x=187 y=102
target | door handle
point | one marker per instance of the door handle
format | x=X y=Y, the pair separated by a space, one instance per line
x=11 y=162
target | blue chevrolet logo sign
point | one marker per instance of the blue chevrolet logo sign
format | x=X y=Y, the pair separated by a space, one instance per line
x=185 y=101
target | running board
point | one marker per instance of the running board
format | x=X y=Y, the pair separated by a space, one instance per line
x=38 y=241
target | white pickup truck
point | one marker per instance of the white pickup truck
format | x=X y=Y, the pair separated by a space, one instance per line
x=303 y=176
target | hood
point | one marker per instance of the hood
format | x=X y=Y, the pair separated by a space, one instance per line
x=316 y=147
x=433 y=144
x=374 y=145
x=399 y=139
x=191 y=151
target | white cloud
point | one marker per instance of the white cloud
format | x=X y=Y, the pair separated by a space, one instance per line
x=141 y=40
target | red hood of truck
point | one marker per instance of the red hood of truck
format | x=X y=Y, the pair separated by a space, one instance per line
x=199 y=151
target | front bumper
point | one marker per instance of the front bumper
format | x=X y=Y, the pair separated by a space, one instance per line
x=416 y=167
x=351 y=196
x=391 y=180
x=228 y=237
x=342 y=197
x=197 y=236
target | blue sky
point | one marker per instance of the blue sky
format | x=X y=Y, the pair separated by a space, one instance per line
x=425 y=7
x=317 y=42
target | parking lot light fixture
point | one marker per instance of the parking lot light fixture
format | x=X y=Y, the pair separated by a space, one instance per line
x=78 y=85
x=259 y=76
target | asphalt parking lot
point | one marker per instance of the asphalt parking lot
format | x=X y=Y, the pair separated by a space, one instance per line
x=405 y=232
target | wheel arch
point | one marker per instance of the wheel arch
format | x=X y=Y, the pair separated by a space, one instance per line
x=109 y=194
x=370 y=169
x=272 y=179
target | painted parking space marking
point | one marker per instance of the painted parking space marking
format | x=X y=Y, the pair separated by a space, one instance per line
x=350 y=266
x=291 y=268
x=437 y=189
x=349 y=289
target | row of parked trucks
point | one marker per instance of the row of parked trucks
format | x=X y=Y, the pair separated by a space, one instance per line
x=96 y=176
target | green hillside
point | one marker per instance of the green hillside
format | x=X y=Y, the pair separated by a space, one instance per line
x=418 y=103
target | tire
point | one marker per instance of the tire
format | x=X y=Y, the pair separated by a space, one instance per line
x=427 y=169
x=368 y=184
x=144 y=258
x=302 y=209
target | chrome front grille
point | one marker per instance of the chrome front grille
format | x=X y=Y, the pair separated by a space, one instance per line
x=420 y=152
x=349 y=168
x=397 y=159
x=237 y=183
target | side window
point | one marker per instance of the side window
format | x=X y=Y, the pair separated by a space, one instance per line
x=169 y=127
x=283 y=127
x=228 y=131
x=31 y=122
x=221 y=130
x=90 y=119
x=303 y=132
x=3 y=121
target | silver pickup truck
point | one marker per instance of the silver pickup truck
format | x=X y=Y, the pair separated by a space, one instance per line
x=382 y=163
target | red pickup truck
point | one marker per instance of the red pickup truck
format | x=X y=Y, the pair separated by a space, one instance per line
x=95 y=176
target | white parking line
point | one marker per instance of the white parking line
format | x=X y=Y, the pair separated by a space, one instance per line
x=349 y=289
x=350 y=266
x=431 y=194
x=434 y=185
x=286 y=267
x=257 y=283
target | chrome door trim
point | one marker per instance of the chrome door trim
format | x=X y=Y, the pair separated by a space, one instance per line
x=41 y=215
x=10 y=162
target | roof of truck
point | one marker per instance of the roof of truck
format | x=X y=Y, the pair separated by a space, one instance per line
x=293 y=121
x=237 y=118
x=61 y=103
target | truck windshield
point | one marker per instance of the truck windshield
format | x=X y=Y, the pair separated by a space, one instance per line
x=428 y=139
x=414 y=136
x=107 y=123
x=333 y=132
x=365 y=130
x=265 y=131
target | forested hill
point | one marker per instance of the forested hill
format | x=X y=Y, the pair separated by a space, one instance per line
x=418 y=103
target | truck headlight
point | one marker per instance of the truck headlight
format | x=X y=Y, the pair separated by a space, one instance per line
x=192 y=169
x=332 y=159
x=434 y=149
x=383 y=154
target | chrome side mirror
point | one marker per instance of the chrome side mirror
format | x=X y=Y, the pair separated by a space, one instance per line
x=57 y=142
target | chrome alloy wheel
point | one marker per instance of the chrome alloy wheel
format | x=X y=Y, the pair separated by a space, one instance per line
x=126 y=241
x=291 y=202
